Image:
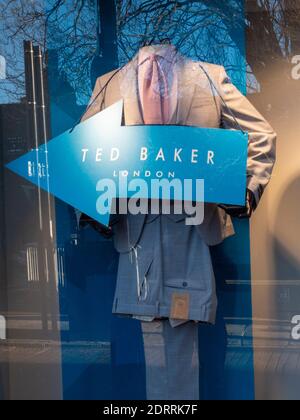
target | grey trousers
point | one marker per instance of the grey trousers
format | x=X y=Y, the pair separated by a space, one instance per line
x=172 y=360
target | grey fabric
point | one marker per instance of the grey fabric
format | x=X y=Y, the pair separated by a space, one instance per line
x=172 y=360
x=169 y=257
x=128 y=229
x=173 y=322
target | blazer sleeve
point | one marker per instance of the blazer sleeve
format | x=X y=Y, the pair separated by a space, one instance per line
x=262 y=138
x=95 y=104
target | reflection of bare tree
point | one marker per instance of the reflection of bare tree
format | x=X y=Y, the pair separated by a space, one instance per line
x=67 y=26
x=273 y=37
x=190 y=24
x=208 y=28
x=204 y=29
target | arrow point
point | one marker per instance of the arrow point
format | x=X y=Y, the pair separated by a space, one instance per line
x=12 y=166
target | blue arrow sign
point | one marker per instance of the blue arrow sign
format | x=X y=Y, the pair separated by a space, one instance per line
x=71 y=165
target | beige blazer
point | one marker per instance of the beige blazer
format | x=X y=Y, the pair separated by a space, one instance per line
x=200 y=104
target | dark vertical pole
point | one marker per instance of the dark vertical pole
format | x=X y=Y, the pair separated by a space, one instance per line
x=106 y=59
x=30 y=85
x=2 y=222
x=47 y=201
x=40 y=94
x=108 y=32
x=34 y=142
x=4 y=373
x=3 y=277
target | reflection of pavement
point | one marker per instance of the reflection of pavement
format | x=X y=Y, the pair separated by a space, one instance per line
x=243 y=334
x=240 y=332
x=25 y=322
x=229 y=372
x=261 y=334
x=274 y=348
x=44 y=352
x=35 y=364
x=50 y=370
x=272 y=340
x=28 y=343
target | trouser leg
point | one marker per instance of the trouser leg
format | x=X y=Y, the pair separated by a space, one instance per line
x=172 y=361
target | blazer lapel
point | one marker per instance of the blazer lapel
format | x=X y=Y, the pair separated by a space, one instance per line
x=128 y=82
x=186 y=90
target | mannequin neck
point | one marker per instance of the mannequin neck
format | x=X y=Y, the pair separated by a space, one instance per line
x=166 y=51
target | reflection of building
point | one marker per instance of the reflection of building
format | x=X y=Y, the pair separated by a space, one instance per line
x=13 y=142
x=27 y=213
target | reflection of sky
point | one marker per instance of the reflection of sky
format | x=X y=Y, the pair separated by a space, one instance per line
x=198 y=32
x=14 y=29
x=76 y=46
x=6 y=50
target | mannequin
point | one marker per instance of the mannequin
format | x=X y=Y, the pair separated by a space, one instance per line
x=165 y=276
